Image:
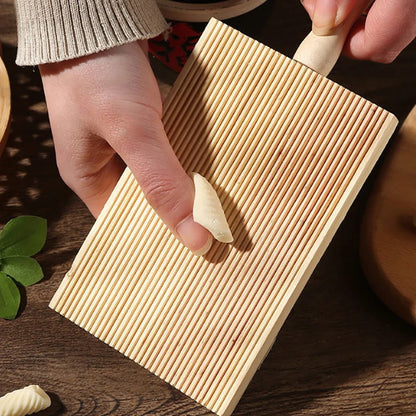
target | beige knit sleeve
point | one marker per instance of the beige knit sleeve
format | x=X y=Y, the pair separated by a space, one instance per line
x=57 y=30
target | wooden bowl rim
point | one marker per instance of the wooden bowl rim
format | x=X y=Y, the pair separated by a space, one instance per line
x=4 y=105
x=202 y=12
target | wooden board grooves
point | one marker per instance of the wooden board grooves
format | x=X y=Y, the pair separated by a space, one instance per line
x=287 y=151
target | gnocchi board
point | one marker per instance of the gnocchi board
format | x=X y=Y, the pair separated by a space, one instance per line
x=287 y=151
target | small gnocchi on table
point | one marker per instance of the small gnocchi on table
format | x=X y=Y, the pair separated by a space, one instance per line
x=26 y=401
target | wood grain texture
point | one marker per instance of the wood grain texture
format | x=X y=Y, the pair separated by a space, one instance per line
x=4 y=104
x=340 y=351
x=388 y=241
x=288 y=151
x=8 y=32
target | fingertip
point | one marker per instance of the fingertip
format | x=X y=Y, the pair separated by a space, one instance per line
x=324 y=17
x=194 y=236
x=204 y=249
x=384 y=33
x=95 y=188
x=360 y=46
x=354 y=46
x=309 y=6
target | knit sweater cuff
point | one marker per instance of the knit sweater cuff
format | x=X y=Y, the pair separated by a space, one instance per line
x=57 y=30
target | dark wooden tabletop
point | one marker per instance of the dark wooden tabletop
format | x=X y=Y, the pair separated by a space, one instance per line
x=340 y=352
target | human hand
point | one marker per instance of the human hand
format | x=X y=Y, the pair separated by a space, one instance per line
x=380 y=36
x=105 y=111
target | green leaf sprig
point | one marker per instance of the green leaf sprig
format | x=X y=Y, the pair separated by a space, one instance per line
x=21 y=238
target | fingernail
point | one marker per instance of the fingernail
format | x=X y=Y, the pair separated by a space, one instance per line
x=204 y=249
x=324 y=16
x=194 y=236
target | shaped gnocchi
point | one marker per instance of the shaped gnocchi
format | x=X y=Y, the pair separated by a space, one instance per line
x=26 y=401
x=208 y=211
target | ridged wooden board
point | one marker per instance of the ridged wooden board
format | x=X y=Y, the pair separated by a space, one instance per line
x=287 y=151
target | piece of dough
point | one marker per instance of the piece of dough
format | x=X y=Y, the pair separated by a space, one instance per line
x=208 y=211
x=26 y=401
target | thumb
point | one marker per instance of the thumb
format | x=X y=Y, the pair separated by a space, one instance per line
x=326 y=15
x=169 y=190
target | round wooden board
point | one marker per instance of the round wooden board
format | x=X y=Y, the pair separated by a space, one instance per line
x=388 y=237
x=202 y=12
x=4 y=105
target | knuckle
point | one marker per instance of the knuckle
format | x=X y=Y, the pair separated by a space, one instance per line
x=121 y=127
x=65 y=176
x=161 y=194
x=80 y=165
x=119 y=131
x=112 y=119
x=72 y=176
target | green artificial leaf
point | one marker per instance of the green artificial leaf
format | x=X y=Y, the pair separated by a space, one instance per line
x=9 y=297
x=24 y=270
x=22 y=236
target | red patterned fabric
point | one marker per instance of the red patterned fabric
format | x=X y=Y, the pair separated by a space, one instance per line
x=174 y=46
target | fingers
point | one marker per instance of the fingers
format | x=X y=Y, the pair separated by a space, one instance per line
x=309 y=6
x=135 y=131
x=91 y=169
x=328 y=14
x=95 y=189
x=108 y=105
x=388 y=28
x=146 y=150
x=86 y=162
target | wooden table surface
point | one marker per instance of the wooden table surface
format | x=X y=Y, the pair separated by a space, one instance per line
x=340 y=352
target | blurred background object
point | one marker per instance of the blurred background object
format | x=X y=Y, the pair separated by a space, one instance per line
x=388 y=235
x=4 y=104
x=203 y=10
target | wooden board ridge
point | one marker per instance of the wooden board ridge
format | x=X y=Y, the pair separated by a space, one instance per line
x=287 y=150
